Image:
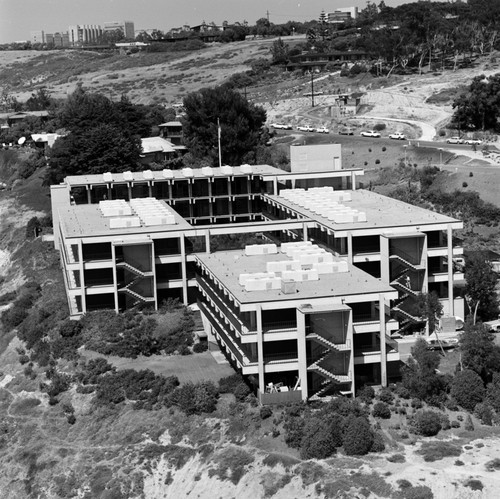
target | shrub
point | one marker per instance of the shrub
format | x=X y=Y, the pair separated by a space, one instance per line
x=402 y=392
x=241 y=391
x=417 y=404
x=474 y=484
x=467 y=389
x=471 y=174
x=381 y=410
x=378 y=444
x=71 y=419
x=484 y=413
x=386 y=396
x=24 y=359
x=379 y=127
x=445 y=421
x=426 y=423
x=384 y=149
x=201 y=346
x=195 y=398
x=435 y=451
x=265 y=412
x=468 y=426
x=366 y=394
x=294 y=430
x=396 y=458
x=229 y=383
x=465 y=184
x=321 y=436
x=358 y=437
x=455 y=424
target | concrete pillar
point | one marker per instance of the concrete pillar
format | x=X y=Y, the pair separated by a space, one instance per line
x=302 y=353
x=383 y=347
x=115 y=283
x=451 y=304
x=183 y=270
x=384 y=259
x=260 y=350
x=349 y=249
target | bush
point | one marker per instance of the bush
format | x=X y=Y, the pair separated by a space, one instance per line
x=416 y=404
x=484 y=413
x=378 y=444
x=465 y=184
x=386 y=396
x=241 y=391
x=381 y=410
x=455 y=424
x=384 y=149
x=379 y=127
x=358 y=437
x=435 y=451
x=265 y=412
x=467 y=389
x=402 y=392
x=426 y=423
x=200 y=347
x=471 y=174
x=71 y=418
x=321 y=437
x=468 y=426
x=195 y=398
x=445 y=421
x=228 y=384
x=366 y=394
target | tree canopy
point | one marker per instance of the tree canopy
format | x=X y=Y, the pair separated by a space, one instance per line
x=481 y=286
x=240 y=125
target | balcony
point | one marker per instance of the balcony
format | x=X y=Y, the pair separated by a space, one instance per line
x=282 y=397
x=279 y=326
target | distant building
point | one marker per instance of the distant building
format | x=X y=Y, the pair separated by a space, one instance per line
x=126 y=26
x=37 y=36
x=172 y=131
x=342 y=14
x=58 y=39
x=84 y=34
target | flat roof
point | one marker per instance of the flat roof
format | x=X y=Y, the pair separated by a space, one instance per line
x=74 y=180
x=87 y=220
x=381 y=212
x=227 y=266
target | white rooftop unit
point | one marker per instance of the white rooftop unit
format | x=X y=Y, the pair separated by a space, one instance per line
x=246 y=168
x=208 y=171
x=261 y=249
x=115 y=208
x=152 y=212
x=128 y=176
x=107 y=177
x=226 y=170
x=167 y=173
x=187 y=172
x=122 y=223
x=147 y=174
x=243 y=278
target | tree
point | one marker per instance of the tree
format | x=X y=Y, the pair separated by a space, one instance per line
x=479 y=107
x=358 y=437
x=279 y=51
x=467 y=388
x=481 y=286
x=39 y=101
x=321 y=437
x=426 y=423
x=419 y=374
x=479 y=352
x=104 y=148
x=240 y=125
x=430 y=308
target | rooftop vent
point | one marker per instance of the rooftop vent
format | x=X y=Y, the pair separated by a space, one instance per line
x=246 y=168
x=187 y=172
x=147 y=174
x=208 y=171
x=107 y=177
x=226 y=170
x=128 y=176
x=167 y=173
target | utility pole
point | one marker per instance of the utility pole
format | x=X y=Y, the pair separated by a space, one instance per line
x=312 y=87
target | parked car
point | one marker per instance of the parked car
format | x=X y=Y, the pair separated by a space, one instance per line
x=445 y=344
x=305 y=128
x=397 y=136
x=322 y=129
x=370 y=133
x=455 y=140
x=346 y=131
x=281 y=126
x=473 y=142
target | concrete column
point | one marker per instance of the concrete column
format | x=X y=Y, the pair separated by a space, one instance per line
x=451 y=304
x=384 y=259
x=349 y=249
x=353 y=181
x=207 y=241
x=304 y=232
x=183 y=270
x=115 y=283
x=82 y=276
x=302 y=353
x=383 y=349
x=260 y=350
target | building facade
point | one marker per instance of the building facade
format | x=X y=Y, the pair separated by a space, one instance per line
x=84 y=34
x=321 y=300
x=127 y=27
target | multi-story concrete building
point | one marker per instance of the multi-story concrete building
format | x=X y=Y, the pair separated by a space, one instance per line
x=342 y=15
x=37 y=36
x=84 y=34
x=127 y=27
x=325 y=300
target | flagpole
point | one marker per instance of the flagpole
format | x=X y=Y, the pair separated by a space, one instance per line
x=218 y=137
